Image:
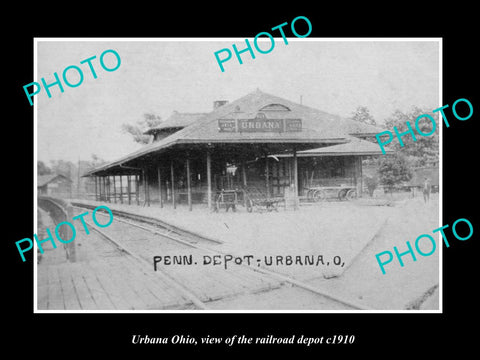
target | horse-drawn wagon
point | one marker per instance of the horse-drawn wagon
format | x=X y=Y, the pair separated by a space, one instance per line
x=321 y=193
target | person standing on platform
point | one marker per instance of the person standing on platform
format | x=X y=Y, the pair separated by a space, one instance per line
x=427 y=188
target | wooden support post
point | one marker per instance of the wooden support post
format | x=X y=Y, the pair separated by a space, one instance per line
x=244 y=174
x=173 y=184
x=358 y=175
x=160 y=195
x=289 y=161
x=209 y=180
x=129 y=189
x=147 y=184
x=267 y=176
x=137 y=190
x=104 y=197
x=108 y=189
x=360 y=193
x=121 y=190
x=189 y=185
x=277 y=169
x=146 y=189
x=114 y=190
x=295 y=179
x=96 y=196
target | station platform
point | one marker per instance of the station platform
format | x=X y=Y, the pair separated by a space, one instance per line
x=101 y=278
x=346 y=235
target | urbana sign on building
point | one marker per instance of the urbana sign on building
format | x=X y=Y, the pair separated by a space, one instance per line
x=259 y=125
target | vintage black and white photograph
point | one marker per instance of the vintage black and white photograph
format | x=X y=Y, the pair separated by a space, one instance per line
x=209 y=175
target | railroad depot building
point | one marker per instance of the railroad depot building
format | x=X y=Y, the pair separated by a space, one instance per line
x=277 y=147
x=54 y=185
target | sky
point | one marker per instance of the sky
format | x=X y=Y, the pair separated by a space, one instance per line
x=162 y=75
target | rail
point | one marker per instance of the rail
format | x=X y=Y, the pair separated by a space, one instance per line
x=152 y=220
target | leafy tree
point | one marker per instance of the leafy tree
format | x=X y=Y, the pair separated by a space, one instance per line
x=397 y=119
x=363 y=115
x=425 y=150
x=393 y=170
x=43 y=169
x=137 y=130
x=152 y=120
x=65 y=168
x=96 y=161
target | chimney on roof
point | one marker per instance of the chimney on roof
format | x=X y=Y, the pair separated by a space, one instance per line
x=218 y=103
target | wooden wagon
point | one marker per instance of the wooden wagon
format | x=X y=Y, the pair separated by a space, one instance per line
x=258 y=201
x=320 y=193
x=227 y=199
x=250 y=197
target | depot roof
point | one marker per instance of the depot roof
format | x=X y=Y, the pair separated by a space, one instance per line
x=354 y=147
x=316 y=125
x=297 y=124
x=176 y=120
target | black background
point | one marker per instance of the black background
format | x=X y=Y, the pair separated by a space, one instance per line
x=383 y=335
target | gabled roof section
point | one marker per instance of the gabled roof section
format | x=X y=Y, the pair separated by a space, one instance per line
x=176 y=120
x=43 y=180
x=354 y=147
x=317 y=127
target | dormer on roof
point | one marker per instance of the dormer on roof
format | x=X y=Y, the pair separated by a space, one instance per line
x=275 y=107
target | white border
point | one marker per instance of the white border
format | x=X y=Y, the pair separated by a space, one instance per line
x=174 y=39
x=35 y=193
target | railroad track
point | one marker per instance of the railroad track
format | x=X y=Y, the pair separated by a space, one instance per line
x=169 y=228
x=203 y=284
